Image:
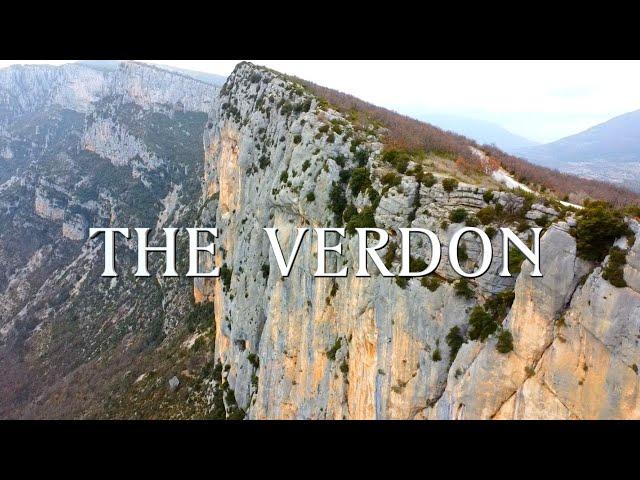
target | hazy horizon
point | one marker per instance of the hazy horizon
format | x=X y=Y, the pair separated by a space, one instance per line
x=539 y=100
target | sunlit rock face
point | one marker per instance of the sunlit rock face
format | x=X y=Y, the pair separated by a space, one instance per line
x=323 y=348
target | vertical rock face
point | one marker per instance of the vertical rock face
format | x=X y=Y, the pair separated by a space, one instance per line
x=75 y=227
x=327 y=348
x=488 y=378
x=112 y=140
x=49 y=207
x=591 y=366
x=309 y=347
x=575 y=348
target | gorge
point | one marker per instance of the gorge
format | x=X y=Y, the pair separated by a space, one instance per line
x=138 y=145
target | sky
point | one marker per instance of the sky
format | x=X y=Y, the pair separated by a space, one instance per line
x=540 y=100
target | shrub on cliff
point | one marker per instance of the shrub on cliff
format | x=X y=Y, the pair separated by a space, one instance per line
x=436 y=356
x=454 y=340
x=225 y=276
x=458 y=215
x=432 y=283
x=505 y=342
x=543 y=221
x=390 y=255
x=427 y=179
x=349 y=212
x=499 y=305
x=472 y=221
x=374 y=197
x=516 y=257
x=359 y=180
x=337 y=201
x=417 y=264
x=286 y=109
x=253 y=359
x=265 y=270
x=391 y=179
x=264 y=162
x=331 y=353
x=614 y=272
x=486 y=215
x=598 y=226
x=399 y=159
x=481 y=324
x=462 y=288
x=364 y=219
x=361 y=157
x=449 y=184
x=345 y=175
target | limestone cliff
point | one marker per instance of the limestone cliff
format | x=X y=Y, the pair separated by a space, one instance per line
x=306 y=347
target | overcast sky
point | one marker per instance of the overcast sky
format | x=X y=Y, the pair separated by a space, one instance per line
x=540 y=100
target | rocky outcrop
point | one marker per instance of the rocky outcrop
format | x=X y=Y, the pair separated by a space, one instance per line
x=112 y=141
x=49 y=207
x=538 y=212
x=75 y=227
x=485 y=378
x=575 y=349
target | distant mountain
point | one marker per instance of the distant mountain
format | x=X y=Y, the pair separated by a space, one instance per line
x=479 y=130
x=210 y=78
x=609 y=151
x=101 y=65
x=112 y=65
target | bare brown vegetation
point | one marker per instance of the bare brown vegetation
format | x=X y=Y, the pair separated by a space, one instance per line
x=564 y=184
x=406 y=133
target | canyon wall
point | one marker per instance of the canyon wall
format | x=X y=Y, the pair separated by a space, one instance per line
x=307 y=347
